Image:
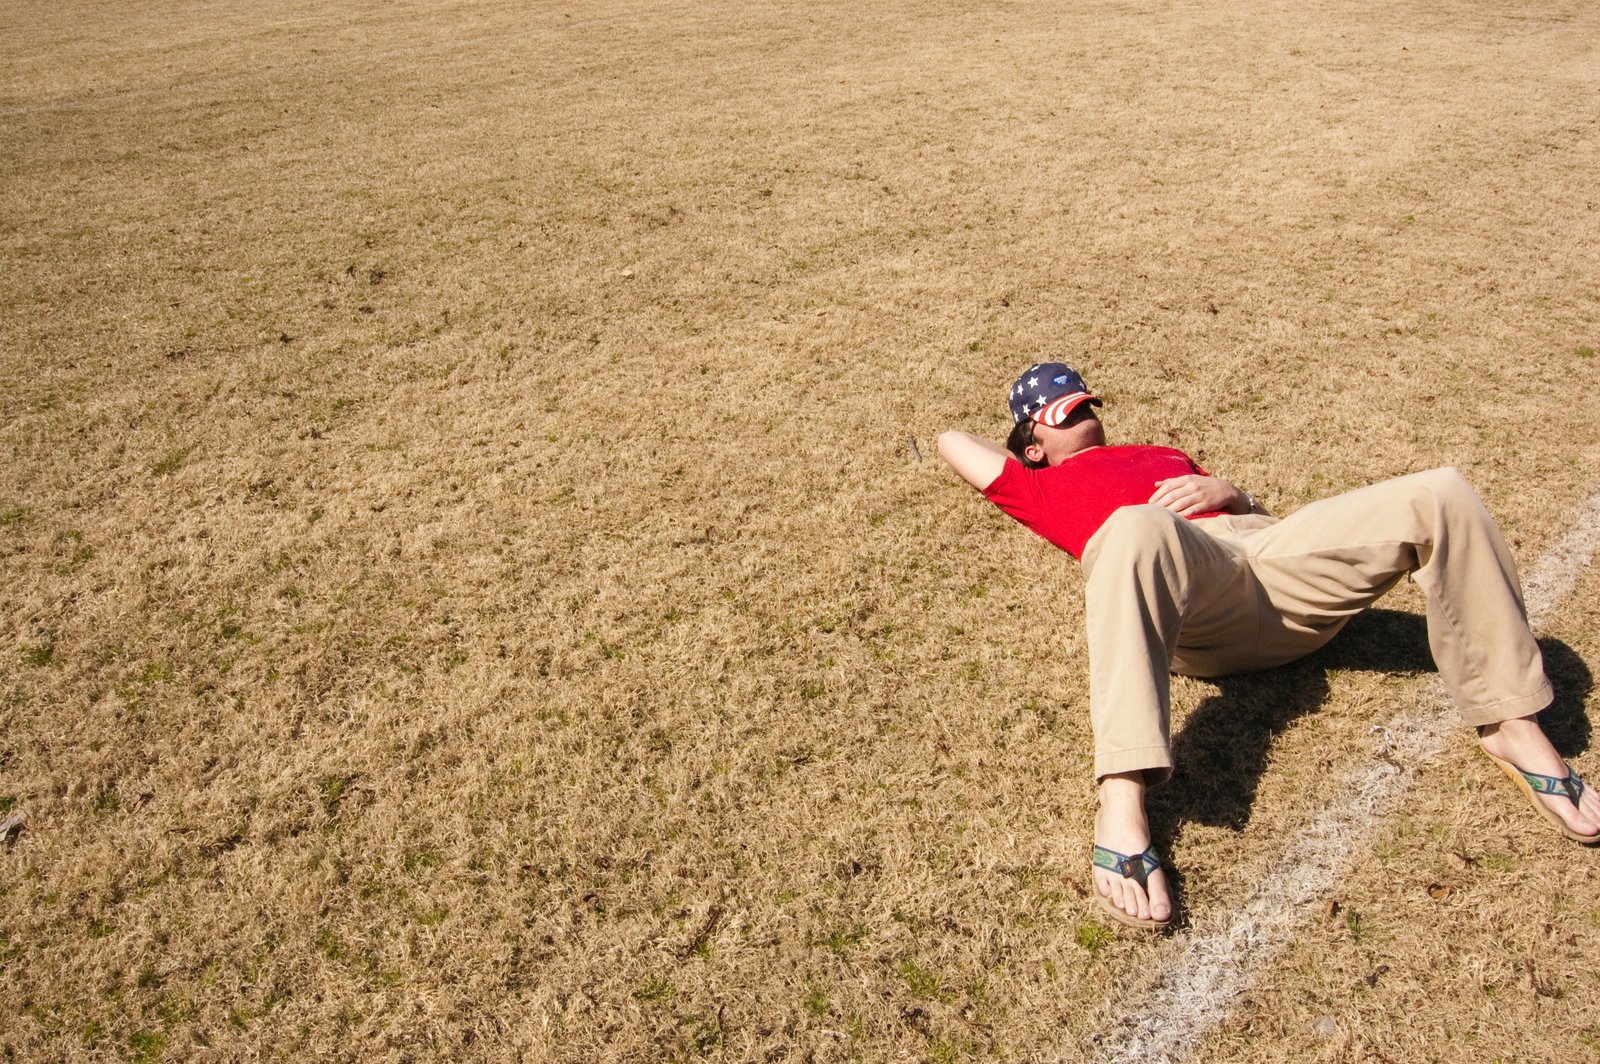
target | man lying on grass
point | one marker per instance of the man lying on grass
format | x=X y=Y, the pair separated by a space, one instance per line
x=1186 y=573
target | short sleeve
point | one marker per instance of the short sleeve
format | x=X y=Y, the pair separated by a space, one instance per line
x=1016 y=491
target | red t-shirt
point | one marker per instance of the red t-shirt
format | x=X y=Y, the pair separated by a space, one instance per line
x=1067 y=504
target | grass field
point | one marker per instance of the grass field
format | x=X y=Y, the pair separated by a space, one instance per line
x=477 y=583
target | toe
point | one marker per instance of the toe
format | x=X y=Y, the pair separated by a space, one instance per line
x=1586 y=818
x=1160 y=903
x=1134 y=903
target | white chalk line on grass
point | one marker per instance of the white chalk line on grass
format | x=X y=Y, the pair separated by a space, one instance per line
x=1552 y=579
x=1219 y=960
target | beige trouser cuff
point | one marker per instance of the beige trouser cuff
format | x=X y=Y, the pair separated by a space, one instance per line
x=1154 y=761
x=1510 y=709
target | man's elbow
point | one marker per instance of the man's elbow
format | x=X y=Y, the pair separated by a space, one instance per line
x=949 y=444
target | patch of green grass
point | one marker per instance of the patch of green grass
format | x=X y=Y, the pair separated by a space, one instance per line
x=80 y=557
x=1090 y=936
x=1497 y=862
x=923 y=982
x=843 y=939
x=422 y=859
x=41 y=654
x=12 y=515
x=1352 y=921
x=949 y=1050
x=330 y=945
x=172 y=461
x=176 y=1009
x=655 y=988
x=146 y=1045
x=1585 y=351
x=81 y=554
x=384 y=977
x=817 y=1001
x=332 y=789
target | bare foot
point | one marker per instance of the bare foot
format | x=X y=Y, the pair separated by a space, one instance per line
x=1121 y=826
x=1523 y=743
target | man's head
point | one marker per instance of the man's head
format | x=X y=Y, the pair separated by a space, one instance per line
x=1054 y=417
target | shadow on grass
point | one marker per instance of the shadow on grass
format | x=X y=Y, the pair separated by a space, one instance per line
x=1220 y=752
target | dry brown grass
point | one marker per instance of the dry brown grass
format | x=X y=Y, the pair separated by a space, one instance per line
x=468 y=592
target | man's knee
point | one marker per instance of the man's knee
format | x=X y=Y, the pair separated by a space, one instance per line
x=1450 y=488
x=1446 y=480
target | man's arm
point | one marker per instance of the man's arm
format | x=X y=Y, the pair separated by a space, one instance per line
x=1197 y=493
x=979 y=461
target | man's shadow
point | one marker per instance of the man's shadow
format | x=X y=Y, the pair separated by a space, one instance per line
x=1220 y=751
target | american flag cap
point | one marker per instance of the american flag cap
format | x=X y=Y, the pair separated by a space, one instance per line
x=1048 y=392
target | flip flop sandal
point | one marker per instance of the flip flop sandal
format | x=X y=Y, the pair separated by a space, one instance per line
x=1137 y=868
x=1532 y=785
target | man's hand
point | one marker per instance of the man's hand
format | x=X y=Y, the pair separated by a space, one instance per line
x=1196 y=494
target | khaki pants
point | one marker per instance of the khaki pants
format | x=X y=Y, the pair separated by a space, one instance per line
x=1224 y=595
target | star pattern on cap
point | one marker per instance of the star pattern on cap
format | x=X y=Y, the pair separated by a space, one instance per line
x=1039 y=389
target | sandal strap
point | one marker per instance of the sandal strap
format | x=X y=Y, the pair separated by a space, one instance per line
x=1136 y=867
x=1569 y=786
